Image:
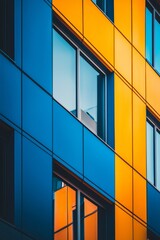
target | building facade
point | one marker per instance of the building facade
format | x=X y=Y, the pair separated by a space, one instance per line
x=80 y=119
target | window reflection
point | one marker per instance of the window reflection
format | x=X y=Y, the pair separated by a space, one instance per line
x=158 y=159
x=149 y=35
x=64 y=211
x=64 y=72
x=150 y=153
x=75 y=215
x=157 y=42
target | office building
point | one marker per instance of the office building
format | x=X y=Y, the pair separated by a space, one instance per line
x=79 y=120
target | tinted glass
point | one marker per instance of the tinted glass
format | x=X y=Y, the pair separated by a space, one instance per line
x=158 y=159
x=64 y=211
x=149 y=35
x=88 y=89
x=91 y=97
x=157 y=43
x=150 y=153
x=64 y=72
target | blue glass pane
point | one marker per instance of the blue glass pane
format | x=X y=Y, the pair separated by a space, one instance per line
x=149 y=35
x=157 y=44
x=158 y=160
x=64 y=72
x=150 y=153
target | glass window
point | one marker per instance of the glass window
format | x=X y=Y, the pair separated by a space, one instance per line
x=153 y=151
x=149 y=35
x=91 y=96
x=150 y=153
x=6 y=173
x=157 y=159
x=64 y=73
x=7 y=27
x=75 y=215
x=152 y=35
x=157 y=43
x=106 y=6
x=78 y=84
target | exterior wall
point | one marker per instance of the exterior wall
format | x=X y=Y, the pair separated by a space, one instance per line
x=41 y=134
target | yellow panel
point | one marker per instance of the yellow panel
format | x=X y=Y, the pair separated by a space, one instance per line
x=122 y=56
x=140 y=231
x=139 y=135
x=138 y=73
x=138 y=25
x=139 y=196
x=122 y=16
x=123 y=183
x=98 y=31
x=153 y=88
x=71 y=13
x=123 y=225
x=123 y=120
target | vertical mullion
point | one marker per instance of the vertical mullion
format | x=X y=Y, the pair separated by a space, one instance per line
x=78 y=84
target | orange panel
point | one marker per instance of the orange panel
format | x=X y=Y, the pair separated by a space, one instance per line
x=60 y=214
x=138 y=73
x=61 y=235
x=89 y=207
x=71 y=204
x=123 y=183
x=122 y=56
x=139 y=135
x=122 y=16
x=123 y=120
x=70 y=12
x=139 y=196
x=70 y=233
x=140 y=231
x=153 y=88
x=98 y=31
x=123 y=225
x=138 y=25
x=90 y=227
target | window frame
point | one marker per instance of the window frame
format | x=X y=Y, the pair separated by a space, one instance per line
x=152 y=7
x=156 y=128
x=81 y=52
x=110 y=15
x=84 y=190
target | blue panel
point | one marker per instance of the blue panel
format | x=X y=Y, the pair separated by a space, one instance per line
x=10 y=91
x=67 y=138
x=37 y=192
x=37 y=42
x=153 y=201
x=37 y=112
x=98 y=163
x=17 y=178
